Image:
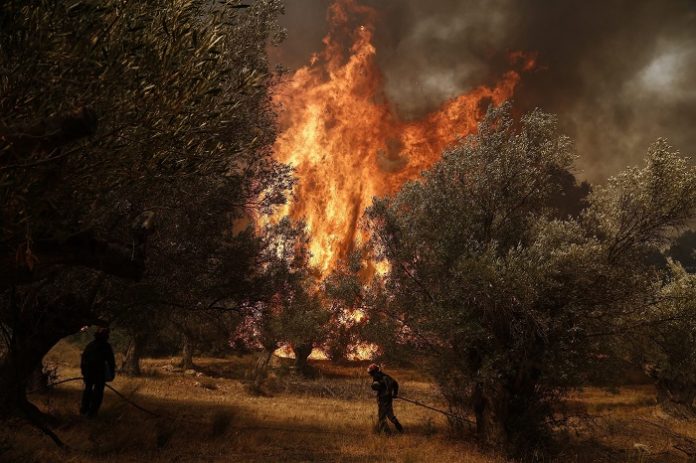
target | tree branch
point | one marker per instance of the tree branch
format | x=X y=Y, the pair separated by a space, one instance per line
x=49 y=135
x=81 y=249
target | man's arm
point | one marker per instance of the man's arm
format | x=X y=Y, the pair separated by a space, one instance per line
x=110 y=359
x=395 y=388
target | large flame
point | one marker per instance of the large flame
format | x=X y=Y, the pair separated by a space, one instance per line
x=340 y=133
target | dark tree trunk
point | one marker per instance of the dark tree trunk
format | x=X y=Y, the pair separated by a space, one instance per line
x=337 y=345
x=510 y=414
x=260 y=372
x=187 y=352
x=490 y=408
x=35 y=330
x=13 y=383
x=38 y=380
x=677 y=399
x=302 y=352
x=134 y=352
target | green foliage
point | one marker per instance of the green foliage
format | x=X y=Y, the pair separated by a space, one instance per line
x=112 y=111
x=514 y=301
x=302 y=317
x=353 y=323
x=667 y=340
x=637 y=207
x=290 y=309
x=178 y=89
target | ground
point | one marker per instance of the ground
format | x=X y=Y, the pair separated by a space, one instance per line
x=209 y=416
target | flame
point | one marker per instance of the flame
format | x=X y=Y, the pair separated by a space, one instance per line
x=364 y=351
x=345 y=141
x=285 y=351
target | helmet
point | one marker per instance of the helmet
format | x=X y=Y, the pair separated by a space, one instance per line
x=102 y=333
x=372 y=368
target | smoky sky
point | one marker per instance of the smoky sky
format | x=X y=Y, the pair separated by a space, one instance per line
x=619 y=73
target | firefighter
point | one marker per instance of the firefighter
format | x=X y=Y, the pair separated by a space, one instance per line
x=98 y=367
x=387 y=389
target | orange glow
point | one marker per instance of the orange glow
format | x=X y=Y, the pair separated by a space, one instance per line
x=364 y=351
x=341 y=134
x=285 y=351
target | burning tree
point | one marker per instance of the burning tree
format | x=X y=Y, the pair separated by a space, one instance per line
x=514 y=301
x=291 y=309
x=351 y=293
x=347 y=144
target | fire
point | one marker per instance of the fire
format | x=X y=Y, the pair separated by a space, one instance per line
x=364 y=351
x=285 y=351
x=346 y=143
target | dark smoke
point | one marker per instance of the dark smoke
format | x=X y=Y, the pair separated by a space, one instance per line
x=619 y=73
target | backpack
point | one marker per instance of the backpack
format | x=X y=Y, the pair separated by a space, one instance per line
x=109 y=373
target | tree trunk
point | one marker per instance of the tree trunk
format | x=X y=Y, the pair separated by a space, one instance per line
x=676 y=399
x=38 y=380
x=490 y=408
x=35 y=330
x=187 y=352
x=302 y=352
x=510 y=415
x=260 y=371
x=337 y=345
x=131 y=363
x=13 y=383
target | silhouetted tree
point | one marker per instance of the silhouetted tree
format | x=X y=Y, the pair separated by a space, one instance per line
x=112 y=114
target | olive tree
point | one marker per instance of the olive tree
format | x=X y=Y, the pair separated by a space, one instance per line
x=301 y=321
x=118 y=121
x=514 y=301
x=351 y=290
x=668 y=344
x=294 y=312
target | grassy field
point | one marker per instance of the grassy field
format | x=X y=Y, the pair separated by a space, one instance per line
x=209 y=416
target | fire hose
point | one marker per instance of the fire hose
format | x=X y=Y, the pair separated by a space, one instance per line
x=127 y=400
x=124 y=398
x=447 y=414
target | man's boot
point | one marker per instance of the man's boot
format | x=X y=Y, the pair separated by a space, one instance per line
x=382 y=427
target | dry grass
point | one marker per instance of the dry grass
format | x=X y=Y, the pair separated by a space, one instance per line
x=211 y=418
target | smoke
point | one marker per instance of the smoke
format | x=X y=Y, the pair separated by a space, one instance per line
x=619 y=73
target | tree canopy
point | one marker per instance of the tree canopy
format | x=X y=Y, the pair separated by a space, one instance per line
x=128 y=130
x=514 y=301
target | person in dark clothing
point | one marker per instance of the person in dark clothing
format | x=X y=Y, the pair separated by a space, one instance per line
x=98 y=366
x=387 y=388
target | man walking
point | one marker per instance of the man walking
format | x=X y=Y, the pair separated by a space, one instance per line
x=98 y=366
x=387 y=389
